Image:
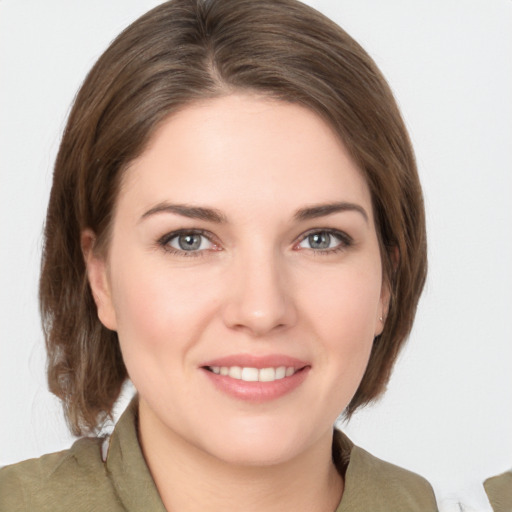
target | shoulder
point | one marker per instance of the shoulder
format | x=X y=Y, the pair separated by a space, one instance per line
x=394 y=482
x=57 y=481
x=374 y=484
x=499 y=491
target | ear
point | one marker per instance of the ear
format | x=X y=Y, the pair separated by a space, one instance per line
x=382 y=310
x=97 y=274
x=385 y=294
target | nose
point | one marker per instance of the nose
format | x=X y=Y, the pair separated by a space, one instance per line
x=260 y=298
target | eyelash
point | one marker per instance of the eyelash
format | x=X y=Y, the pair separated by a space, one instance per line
x=345 y=241
x=166 y=239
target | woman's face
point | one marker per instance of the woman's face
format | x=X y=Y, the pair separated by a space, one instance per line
x=244 y=279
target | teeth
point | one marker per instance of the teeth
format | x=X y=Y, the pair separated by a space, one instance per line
x=248 y=374
x=235 y=372
x=267 y=375
x=281 y=372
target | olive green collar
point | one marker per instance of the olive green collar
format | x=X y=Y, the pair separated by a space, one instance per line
x=370 y=483
x=127 y=468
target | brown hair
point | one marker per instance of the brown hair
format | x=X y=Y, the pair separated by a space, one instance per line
x=178 y=53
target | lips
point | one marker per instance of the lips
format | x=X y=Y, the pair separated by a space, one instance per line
x=256 y=378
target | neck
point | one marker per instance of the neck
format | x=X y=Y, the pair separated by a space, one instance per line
x=189 y=479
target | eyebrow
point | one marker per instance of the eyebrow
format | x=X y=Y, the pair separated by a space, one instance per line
x=216 y=216
x=321 y=210
x=185 y=210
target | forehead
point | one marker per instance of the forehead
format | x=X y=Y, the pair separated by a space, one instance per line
x=244 y=150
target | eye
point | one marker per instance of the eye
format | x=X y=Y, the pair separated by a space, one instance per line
x=324 y=240
x=186 y=242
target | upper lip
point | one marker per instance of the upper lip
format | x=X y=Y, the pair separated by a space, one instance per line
x=253 y=361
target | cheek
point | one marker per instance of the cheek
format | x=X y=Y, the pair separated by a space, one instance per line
x=158 y=310
x=346 y=303
x=344 y=310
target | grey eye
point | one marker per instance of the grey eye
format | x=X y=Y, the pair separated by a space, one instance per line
x=190 y=242
x=321 y=240
x=324 y=241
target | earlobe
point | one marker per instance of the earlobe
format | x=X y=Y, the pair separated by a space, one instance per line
x=382 y=313
x=383 y=310
x=97 y=274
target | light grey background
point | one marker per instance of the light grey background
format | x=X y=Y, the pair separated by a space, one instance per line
x=447 y=413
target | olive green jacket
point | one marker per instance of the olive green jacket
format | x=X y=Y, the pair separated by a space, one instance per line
x=499 y=491
x=80 y=480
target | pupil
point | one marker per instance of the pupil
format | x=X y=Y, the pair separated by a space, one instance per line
x=189 y=242
x=319 y=240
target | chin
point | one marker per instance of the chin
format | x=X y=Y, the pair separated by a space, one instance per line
x=256 y=454
x=260 y=444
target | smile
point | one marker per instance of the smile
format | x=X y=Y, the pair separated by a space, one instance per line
x=249 y=374
x=256 y=379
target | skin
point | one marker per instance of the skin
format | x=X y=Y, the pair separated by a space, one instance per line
x=257 y=285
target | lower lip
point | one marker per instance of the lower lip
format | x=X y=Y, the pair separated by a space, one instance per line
x=257 y=392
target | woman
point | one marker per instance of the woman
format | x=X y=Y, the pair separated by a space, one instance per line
x=235 y=223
